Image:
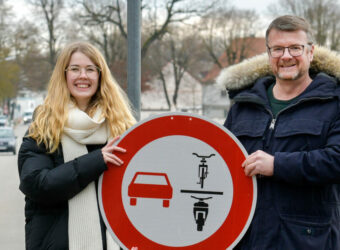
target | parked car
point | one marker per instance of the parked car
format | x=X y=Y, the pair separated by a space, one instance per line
x=3 y=120
x=27 y=117
x=7 y=140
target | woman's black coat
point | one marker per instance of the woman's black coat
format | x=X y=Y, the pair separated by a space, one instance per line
x=48 y=183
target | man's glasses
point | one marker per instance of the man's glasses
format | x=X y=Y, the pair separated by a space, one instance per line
x=294 y=50
x=90 y=71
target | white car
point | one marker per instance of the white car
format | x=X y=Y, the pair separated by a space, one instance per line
x=27 y=117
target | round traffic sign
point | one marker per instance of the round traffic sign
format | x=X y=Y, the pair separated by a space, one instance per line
x=181 y=186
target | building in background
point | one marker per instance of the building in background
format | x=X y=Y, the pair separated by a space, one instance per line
x=26 y=102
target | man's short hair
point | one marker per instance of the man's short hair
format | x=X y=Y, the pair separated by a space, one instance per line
x=291 y=23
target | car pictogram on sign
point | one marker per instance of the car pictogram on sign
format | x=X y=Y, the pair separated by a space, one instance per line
x=150 y=185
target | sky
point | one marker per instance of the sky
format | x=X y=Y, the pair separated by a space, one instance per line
x=259 y=5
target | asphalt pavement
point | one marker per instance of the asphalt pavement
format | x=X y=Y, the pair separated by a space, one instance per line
x=12 y=218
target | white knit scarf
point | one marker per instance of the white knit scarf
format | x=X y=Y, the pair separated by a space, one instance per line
x=83 y=222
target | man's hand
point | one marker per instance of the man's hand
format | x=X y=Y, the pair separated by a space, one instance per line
x=109 y=156
x=259 y=162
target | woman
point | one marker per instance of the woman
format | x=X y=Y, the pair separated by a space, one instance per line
x=64 y=152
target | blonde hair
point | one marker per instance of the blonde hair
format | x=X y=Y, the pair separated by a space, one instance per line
x=50 y=117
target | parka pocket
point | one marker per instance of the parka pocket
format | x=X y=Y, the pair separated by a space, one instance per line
x=250 y=128
x=301 y=234
x=305 y=134
x=250 y=133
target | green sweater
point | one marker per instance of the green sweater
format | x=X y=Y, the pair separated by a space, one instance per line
x=277 y=105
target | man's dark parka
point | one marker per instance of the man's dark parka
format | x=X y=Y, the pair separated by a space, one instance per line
x=299 y=206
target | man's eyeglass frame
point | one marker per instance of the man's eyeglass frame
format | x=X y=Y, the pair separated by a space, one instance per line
x=289 y=50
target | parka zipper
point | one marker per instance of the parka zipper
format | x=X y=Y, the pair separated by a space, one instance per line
x=266 y=138
x=272 y=124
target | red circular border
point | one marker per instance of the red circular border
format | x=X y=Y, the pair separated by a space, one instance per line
x=144 y=133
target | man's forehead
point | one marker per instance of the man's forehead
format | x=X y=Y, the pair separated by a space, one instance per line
x=282 y=36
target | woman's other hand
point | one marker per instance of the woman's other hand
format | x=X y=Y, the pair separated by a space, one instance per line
x=108 y=152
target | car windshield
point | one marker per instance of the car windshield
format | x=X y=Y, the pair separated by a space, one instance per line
x=151 y=179
x=28 y=114
x=2 y=117
x=5 y=133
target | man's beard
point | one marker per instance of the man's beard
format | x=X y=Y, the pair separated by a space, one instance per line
x=295 y=76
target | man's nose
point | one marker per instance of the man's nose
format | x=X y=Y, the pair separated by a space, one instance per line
x=286 y=54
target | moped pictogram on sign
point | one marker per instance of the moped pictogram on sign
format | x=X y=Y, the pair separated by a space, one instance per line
x=181 y=186
x=201 y=209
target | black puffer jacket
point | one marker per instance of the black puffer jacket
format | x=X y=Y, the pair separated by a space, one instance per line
x=48 y=183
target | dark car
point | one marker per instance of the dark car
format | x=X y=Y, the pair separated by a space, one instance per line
x=3 y=120
x=7 y=140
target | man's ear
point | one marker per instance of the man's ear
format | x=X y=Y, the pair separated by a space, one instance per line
x=268 y=54
x=311 y=52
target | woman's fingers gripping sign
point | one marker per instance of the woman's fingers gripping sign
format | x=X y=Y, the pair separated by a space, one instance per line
x=109 y=155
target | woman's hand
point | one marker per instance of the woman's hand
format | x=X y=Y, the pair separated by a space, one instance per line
x=108 y=152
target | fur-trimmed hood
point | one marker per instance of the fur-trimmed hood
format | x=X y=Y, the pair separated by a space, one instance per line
x=244 y=74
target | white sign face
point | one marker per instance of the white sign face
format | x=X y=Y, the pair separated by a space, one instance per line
x=181 y=186
x=173 y=156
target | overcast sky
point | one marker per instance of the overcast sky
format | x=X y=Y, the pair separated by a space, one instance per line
x=259 y=5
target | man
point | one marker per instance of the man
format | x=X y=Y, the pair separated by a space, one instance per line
x=290 y=126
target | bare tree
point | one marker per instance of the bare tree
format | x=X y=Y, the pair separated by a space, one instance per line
x=51 y=10
x=154 y=27
x=105 y=23
x=5 y=14
x=181 y=49
x=181 y=55
x=225 y=31
x=33 y=62
x=108 y=38
x=153 y=64
x=9 y=70
x=323 y=15
x=8 y=76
